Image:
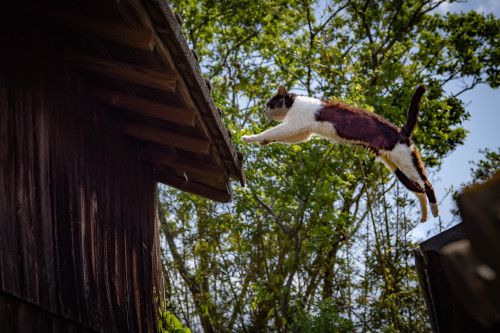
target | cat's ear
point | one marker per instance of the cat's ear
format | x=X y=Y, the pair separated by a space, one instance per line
x=282 y=91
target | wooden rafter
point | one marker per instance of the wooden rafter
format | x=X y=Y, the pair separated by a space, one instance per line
x=124 y=71
x=166 y=138
x=145 y=107
x=112 y=31
x=179 y=162
x=193 y=187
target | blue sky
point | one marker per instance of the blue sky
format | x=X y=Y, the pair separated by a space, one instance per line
x=483 y=103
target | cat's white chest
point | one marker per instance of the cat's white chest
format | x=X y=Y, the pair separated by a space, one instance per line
x=303 y=110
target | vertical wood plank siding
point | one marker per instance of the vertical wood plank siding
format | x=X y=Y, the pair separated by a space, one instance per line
x=78 y=236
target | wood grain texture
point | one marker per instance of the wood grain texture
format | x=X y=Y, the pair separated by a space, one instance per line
x=78 y=230
x=123 y=71
x=179 y=162
x=112 y=31
x=194 y=187
x=176 y=115
x=164 y=137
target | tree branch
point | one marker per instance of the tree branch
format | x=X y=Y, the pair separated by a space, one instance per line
x=189 y=279
x=277 y=218
x=229 y=51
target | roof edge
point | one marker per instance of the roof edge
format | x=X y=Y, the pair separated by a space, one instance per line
x=173 y=37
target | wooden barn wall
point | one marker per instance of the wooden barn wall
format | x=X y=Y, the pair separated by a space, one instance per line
x=78 y=236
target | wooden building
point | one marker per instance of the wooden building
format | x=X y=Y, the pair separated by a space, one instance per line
x=459 y=269
x=99 y=101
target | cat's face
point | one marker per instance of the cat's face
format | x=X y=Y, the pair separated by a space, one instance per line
x=278 y=106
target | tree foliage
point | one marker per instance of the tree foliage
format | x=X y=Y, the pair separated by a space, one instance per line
x=318 y=235
x=486 y=167
x=481 y=171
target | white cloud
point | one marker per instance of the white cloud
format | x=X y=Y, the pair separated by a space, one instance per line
x=489 y=6
x=444 y=7
x=481 y=6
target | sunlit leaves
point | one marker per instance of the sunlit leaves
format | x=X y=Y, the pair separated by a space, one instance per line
x=329 y=217
x=466 y=44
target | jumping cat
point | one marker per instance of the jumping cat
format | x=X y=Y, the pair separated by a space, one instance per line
x=302 y=116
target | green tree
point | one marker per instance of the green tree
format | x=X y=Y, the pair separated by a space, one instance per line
x=486 y=167
x=317 y=223
x=481 y=171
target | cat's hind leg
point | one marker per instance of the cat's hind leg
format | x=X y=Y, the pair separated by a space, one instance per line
x=409 y=184
x=429 y=191
x=417 y=189
x=432 y=198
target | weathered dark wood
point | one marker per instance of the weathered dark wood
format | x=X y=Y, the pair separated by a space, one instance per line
x=178 y=162
x=78 y=230
x=165 y=137
x=458 y=269
x=116 y=32
x=17 y=310
x=472 y=282
x=123 y=71
x=480 y=210
x=146 y=107
x=193 y=187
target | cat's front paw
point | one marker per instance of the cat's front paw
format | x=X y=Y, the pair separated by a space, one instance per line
x=248 y=138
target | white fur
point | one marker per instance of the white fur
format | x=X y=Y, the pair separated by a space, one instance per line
x=402 y=158
x=303 y=110
x=434 y=209
x=298 y=124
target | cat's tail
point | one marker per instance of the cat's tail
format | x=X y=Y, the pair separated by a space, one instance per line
x=412 y=116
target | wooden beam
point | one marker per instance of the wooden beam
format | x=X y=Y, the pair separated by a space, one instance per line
x=146 y=107
x=124 y=71
x=116 y=32
x=207 y=181
x=178 y=162
x=193 y=187
x=166 y=138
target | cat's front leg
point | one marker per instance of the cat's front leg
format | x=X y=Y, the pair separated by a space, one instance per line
x=249 y=138
x=254 y=138
x=279 y=133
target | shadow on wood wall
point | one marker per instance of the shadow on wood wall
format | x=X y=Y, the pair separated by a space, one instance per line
x=78 y=234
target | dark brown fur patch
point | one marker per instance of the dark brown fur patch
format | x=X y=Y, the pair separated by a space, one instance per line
x=410 y=184
x=362 y=126
x=280 y=101
x=430 y=192
x=412 y=115
x=417 y=162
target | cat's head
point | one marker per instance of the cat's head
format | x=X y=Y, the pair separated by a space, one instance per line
x=278 y=106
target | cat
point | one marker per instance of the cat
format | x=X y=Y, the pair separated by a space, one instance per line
x=303 y=116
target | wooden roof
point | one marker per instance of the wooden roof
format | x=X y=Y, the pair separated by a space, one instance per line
x=144 y=74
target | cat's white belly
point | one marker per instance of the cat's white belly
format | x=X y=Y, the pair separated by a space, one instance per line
x=327 y=130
